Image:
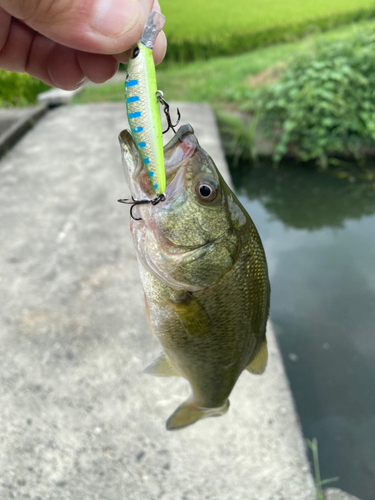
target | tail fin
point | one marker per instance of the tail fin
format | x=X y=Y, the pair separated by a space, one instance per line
x=189 y=412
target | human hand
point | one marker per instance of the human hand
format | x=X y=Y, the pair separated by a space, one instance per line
x=64 y=42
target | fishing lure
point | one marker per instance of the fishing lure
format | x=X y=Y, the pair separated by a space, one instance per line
x=142 y=103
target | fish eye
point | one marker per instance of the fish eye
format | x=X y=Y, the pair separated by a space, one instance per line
x=134 y=52
x=206 y=190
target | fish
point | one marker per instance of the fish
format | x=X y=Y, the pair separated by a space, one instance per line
x=204 y=275
x=142 y=104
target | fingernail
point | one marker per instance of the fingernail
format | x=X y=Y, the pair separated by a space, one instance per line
x=80 y=83
x=113 y=18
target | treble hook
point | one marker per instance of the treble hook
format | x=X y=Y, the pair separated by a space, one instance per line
x=134 y=203
x=160 y=97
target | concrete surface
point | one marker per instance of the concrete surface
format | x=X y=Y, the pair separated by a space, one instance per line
x=15 y=122
x=336 y=494
x=78 y=420
x=57 y=97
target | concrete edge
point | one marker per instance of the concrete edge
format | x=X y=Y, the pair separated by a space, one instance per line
x=57 y=97
x=49 y=99
x=329 y=493
x=337 y=494
x=20 y=127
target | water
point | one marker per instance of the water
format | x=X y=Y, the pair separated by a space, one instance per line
x=318 y=231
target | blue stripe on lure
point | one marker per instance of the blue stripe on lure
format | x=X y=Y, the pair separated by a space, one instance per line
x=134 y=98
x=142 y=103
x=131 y=83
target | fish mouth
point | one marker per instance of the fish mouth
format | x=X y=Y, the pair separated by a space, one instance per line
x=154 y=247
x=177 y=152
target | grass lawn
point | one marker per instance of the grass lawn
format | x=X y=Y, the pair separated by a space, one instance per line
x=198 y=29
x=221 y=79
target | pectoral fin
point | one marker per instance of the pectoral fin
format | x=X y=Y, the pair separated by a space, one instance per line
x=193 y=316
x=188 y=413
x=259 y=362
x=162 y=367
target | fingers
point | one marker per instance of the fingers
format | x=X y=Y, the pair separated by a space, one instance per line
x=67 y=68
x=97 y=67
x=14 y=52
x=160 y=47
x=51 y=54
x=100 y=26
x=39 y=53
x=50 y=62
x=158 y=52
x=63 y=68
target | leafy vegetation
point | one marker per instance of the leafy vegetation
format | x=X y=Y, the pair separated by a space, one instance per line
x=323 y=105
x=223 y=79
x=19 y=89
x=201 y=30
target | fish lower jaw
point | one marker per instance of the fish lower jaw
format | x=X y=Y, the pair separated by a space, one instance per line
x=161 y=240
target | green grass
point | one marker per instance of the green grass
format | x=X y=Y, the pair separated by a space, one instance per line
x=220 y=80
x=19 y=89
x=200 y=30
x=313 y=445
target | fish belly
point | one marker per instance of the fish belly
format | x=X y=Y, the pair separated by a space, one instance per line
x=213 y=360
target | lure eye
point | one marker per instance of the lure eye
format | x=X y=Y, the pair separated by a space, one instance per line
x=206 y=190
x=135 y=52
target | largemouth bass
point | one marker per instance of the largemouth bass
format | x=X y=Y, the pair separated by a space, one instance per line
x=204 y=276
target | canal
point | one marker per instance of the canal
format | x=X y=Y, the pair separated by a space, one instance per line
x=318 y=230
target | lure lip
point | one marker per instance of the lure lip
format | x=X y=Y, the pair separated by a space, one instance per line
x=154 y=24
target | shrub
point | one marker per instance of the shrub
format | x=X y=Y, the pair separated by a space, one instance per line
x=19 y=89
x=325 y=104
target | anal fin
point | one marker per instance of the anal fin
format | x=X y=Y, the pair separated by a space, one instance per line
x=258 y=364
x=162 y=367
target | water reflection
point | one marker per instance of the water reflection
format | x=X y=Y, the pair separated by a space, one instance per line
x=302 y=197
x=320 y=244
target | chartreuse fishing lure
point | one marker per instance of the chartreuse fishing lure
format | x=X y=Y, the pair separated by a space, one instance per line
x=142 y=103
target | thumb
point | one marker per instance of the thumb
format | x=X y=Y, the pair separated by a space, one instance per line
x=100 y=26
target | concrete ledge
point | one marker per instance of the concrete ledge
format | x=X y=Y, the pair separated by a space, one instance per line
x=336 y=494
x=15 y=122
x=57 y=97
x=78 y=420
